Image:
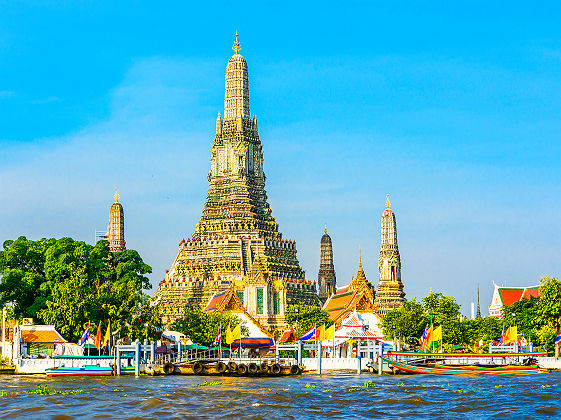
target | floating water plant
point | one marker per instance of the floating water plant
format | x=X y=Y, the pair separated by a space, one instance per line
x=309 y=385
x=208 y=383
x=369 y=384
x=354 y=389
x=45 y=390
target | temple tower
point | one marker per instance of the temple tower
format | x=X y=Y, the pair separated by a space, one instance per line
x=327 y=282
x=390 y=293
x=478 y=316
x=237 y=243
x=116 y=228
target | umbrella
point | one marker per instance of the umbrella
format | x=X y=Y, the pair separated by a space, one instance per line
x=220 y=348
x=195 y=347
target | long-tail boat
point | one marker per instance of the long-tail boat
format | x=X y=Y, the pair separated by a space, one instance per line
x=439 y=364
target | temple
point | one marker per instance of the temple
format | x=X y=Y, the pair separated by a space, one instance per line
x=390 y=293
x=506 y=296
x=116 y=228
x=358 y=295
x=327 y=282
x=237 y=243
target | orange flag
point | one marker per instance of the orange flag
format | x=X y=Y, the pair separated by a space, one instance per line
x=98 y=337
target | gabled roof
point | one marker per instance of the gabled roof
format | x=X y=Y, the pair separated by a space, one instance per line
x=509 y=295
x=288 y=336
x=34 y=335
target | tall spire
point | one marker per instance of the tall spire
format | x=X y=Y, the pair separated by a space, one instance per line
x=478 y=306
x=390 y=288
x=236 y=96
x=116 y=228
x=237 y=48
x=327 y=282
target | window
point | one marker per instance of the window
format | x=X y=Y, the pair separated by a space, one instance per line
x=240 y=296
x=276 y=303
x=259 y=301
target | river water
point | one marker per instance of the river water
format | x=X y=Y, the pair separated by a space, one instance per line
x=310 y=396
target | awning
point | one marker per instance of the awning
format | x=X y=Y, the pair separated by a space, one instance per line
x=254 y=343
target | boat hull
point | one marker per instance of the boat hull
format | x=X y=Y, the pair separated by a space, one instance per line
x=466 y=370
x=79 y=371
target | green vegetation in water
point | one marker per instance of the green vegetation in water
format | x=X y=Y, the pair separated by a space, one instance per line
x=45 y=390
x=369 y=384
x=309 y=385
x=354 y=389
x=3 y=394
x=208 y=384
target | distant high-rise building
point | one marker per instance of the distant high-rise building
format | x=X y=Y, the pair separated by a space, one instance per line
x=390 y=293
x=327 y=282
x=116 y=228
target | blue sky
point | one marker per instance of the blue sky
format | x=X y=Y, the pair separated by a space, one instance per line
x=453 y=109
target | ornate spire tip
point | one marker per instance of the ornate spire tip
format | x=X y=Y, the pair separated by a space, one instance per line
x=325 y=230
x=236 y=46
x=388 y=204
x=117 y=196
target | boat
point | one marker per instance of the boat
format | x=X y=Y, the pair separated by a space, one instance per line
x=435 y=368
x=87 y=370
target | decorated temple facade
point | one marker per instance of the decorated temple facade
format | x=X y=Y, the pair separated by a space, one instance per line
x=237 y=242
x=116 y=228
x=390 y=293
x=327 y=282
x=359 y=296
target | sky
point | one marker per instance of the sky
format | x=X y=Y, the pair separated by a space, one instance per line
x=452 y=108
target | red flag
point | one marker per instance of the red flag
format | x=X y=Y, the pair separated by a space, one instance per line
x=98 y=337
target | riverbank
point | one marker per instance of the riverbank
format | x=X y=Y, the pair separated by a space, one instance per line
x=313 y=396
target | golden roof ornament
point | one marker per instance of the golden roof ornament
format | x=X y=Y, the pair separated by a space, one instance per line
x=388 y=204
x=117 y=196
x=236 y=46
x=325 y=230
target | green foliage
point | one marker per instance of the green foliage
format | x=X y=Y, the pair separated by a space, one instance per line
x=201 y=326
x=549 y=306
x=409 y=321
x=302 y=317
x=483 y=329
x=68 y=283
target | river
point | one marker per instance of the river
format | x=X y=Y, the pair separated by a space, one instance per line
x=309 y=396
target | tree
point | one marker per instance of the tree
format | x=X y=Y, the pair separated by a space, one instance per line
x=69 y=283
x=523 y=314
x=302 y=317
x=445 y=311
x=201 y=326
x=548 y=310
x=409 y=321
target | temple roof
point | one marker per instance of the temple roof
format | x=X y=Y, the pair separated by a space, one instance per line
x=509 y=295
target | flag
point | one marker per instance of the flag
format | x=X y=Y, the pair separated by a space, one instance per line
x=85 y=335
x=502 y=337
x=310 y=335
x=506 y=337
x=513 y=336
x=229 y=336
x=107 y=335
x=330 y=333
x=437 y=334
x=218 y=338
x=98 y=337
x=558 y=338
x=320 y=333
x=428 y=338
x=423 y=337
x=237 y=332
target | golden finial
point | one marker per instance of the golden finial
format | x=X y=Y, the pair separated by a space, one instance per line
x=359 y=256
x=388 y=204
x=117 y=196
x=236 y=46
x=325 y=230
x=431 y=293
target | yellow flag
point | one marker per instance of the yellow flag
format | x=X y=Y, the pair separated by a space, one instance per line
x=229 y=336
x=513 y=336
x=437 y=334
x=107 y=335
x=330 y=333
x=237 y=333
x=320 y=333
